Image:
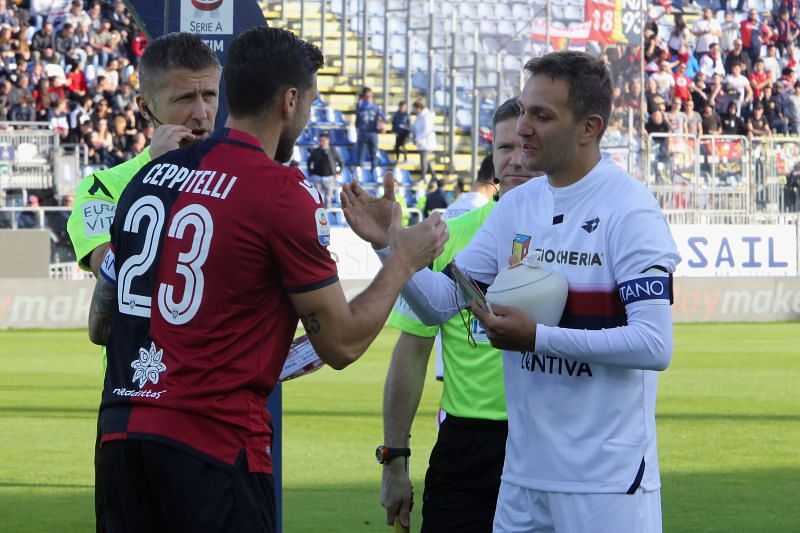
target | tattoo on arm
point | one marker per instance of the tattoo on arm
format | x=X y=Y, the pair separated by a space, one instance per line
x=103 y=301
x=310 y=322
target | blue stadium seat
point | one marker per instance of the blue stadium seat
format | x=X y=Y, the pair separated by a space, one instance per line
x=339 y=137
x=365 y=175
x=403 y=176
x=308 y=137
x=383 y=159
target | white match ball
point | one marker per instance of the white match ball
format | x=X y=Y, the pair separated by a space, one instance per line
x=540 y=293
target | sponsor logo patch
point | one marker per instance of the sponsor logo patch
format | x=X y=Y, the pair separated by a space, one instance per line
x=323 y=227
x=520 y=246
x=478 y=331
x=97 y=217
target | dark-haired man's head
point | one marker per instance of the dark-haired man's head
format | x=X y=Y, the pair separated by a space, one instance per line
x=179 y=83
x=564 y=110
x=486 y=170
x=324 y=140
x=270 y=74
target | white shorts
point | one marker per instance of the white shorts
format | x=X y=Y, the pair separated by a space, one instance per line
x=521 y=510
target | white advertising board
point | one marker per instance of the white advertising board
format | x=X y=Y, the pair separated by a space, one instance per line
x=736 y=250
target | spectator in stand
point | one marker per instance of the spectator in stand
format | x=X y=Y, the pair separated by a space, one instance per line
x=8 y=16
x=435 y=198
x=759 y=78
x=730 y=32
x=699 y=91
x=325 y=167
x=76 y=83
x=96 y=16
x=790 y=57
x=651 y=94
x=775 y=109
x=788 y=77
x=401 y=127
x=679 y=35
x=737 y=81
x=676 y=119
x=711 y=122
x=754 y=33
x=712 y=62
x=738 y=55
x=786 y=30
x=59 y=119
x=732 y=123
x=41 y=96
x=681 y=89
x=685 y=57
x=656 y=123
x=119 y=17
x=137 y=146
x=138 y=42
x=424 y=130
x=65 y=47
x=757 y=125
x=124 y=97
x=101 y=112
x=77 y=15
x=121 y=140
x=369 y=123
x=633 y=96
x=664 y=79
x=22 y=111
x=739 y=5
x=103 y=144
x=101 y=43
x=43 y=39
x=793 y=109
x=772 y=63
x=30 y=219
x=694 y=121
x=706 y=31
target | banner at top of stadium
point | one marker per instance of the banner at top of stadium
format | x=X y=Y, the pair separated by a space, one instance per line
x=601 y=21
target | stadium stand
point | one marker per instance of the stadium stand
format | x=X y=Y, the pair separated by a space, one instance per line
x=68 y=78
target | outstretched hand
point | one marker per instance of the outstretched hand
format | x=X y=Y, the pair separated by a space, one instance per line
x=418 y=245
x=369 y=216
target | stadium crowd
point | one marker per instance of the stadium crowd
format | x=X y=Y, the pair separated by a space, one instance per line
x=73 y=64
x=711 y=71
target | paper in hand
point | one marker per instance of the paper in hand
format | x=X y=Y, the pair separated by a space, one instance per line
x=469 y=290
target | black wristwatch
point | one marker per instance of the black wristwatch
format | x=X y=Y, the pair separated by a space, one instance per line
x=385 y=455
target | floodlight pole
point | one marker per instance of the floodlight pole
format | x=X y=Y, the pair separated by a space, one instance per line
x=408 y=52
x=475 y=105
x=322 y=26
x=302 y=19
x=452 y=126
x=363 y=43
x=343 y=36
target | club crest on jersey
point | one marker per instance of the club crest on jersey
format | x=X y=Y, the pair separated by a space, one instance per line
x=323 y=226
x=311 y=190
x=149 y=365
x=520 y=246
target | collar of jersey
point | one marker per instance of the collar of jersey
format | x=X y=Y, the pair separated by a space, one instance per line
x=586 y=183
x=238 y=137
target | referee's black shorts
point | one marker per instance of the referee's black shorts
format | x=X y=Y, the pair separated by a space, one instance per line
x=463 y=477
x=146 y=486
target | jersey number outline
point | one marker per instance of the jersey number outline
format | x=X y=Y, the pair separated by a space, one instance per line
x=189 y=263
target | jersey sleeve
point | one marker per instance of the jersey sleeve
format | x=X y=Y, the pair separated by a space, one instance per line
x=403 y=318
x=300 y=236
x=642 y=240
x=89 y=223
x=96 y=200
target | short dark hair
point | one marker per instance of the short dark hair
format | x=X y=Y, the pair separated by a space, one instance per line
x=507 y=110
x=262 y=62
x=171 y=51
x=486 y=170
x=589 y=82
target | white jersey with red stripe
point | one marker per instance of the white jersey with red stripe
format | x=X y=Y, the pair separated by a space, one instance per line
x=577 y=426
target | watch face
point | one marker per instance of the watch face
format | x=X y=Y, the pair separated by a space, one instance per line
x=379 y=454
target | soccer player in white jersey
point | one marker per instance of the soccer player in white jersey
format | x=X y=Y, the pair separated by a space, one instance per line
x=581 y=451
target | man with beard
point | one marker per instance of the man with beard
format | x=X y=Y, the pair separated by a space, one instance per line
x=218 y=249
x=581 y=452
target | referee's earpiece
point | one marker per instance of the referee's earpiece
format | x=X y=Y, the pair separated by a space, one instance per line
x=150 y=115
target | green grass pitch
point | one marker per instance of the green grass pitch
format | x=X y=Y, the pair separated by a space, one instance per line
x=728 y=423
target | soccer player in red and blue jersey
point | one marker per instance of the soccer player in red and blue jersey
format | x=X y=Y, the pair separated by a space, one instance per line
x=217 y=250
